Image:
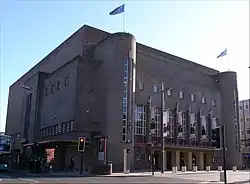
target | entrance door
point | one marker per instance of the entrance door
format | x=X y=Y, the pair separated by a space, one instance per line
x=157 y=160
x=169 y=161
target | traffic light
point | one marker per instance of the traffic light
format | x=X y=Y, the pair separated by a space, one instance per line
x=81 y=143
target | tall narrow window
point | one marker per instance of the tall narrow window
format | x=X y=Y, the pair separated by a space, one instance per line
x=41 y=132
x=213 y=103
x=155 y=88
x=140 y=120
x=141 y=85
x=67 y=126
x=125 y=102
x=181 y=94
x=58 y=84
x=56 y=129
x=203 y=100
x=66 y=81
x=52 y=88
x=72 y=126
x=192 y=97
x=59 y=129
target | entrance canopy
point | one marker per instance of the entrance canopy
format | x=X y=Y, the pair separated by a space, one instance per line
x=51 y=141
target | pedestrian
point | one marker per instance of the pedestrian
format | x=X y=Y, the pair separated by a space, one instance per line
x=72 y=164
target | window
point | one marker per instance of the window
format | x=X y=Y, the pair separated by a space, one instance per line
x=46 y=91
x=66 y=81
x=71 y=126
x=58 y=84
x=213 y=102
x=140 y=120
x=181 y=125
x=181 y=94
x=170 y=123
x=141 y=85
x=59 y=129
x=247 y=119
x=63 y=128
x=246 y=106
x=67 y=126
x=46 y=131
x=248 y=131
x=169 y=92
x=240 y=107
x=157 y=121
x=203 y=100
x=203 y=127
x=41 y=132
x=52 y=88
x=192 y=97
x=53 y=130
x=56 y=129
x=155 y=89
x=125 y=101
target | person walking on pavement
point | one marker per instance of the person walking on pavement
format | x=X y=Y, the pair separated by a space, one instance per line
x=72 y=165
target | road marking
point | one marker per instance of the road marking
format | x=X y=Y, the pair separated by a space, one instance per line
x=34 y=181
x=210 y=182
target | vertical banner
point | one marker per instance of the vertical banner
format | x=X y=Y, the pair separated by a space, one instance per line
x=203 y=127
x=192 y=126
x=166 y=123
x=180 y=125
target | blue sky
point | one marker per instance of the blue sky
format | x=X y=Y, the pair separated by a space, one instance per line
x=194 y=30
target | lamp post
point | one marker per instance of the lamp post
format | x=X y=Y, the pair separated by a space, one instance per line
x=30 y=89
x=163 y=90
x=224 y=154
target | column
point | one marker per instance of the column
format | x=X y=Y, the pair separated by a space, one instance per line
x=209 y=159
x=177 y=159
x=165 y=160
x=190 y=159
x=200 y=160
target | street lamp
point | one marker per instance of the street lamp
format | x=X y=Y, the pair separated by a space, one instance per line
x=26 y=87
x=30 y=89
x=162 y=126
x=224 y=153
x=163 y=90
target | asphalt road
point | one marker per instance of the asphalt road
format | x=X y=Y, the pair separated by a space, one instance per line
x=21 y=178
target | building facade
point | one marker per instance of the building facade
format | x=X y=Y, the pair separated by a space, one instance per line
x=97 y=85
x=244 y=113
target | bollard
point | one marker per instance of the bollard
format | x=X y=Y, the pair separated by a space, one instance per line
x=183 y=168
x=194 y=168
x=207 y=168
x=234 y=168
x=174 y=169
x=219 y=168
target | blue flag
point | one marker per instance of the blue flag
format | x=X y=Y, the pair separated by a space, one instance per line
x=223 y=53
x=118 y=10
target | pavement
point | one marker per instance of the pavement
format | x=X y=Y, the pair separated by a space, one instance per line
x=200 y=177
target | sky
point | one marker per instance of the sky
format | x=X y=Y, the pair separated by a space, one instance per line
x=195 y=30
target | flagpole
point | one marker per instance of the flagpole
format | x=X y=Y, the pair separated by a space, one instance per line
x=123 y=21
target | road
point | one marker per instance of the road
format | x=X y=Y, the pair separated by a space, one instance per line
x=168 y=177
x=21 y=178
